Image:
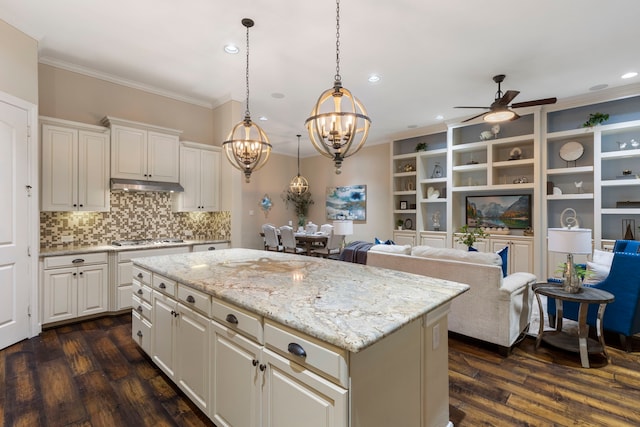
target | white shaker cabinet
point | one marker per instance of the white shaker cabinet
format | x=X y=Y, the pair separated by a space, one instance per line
x=143 y=152
x=200 y=177
x=75 y=166
x=74 y=286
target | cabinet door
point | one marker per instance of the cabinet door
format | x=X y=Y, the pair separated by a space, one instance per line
x=293 y=396
x=236 y=380
x=190 y=179
x=192 y=356
x=521 y=256
x=59 y=168
x=128 y=153
x=210 y=180
x=163 y=157
x=92 y=289
x=59 y=294
x=93 y=171
x=435 y=241
x=163 y=333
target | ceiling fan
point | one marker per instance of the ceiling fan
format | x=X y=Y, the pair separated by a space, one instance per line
x=499 y=110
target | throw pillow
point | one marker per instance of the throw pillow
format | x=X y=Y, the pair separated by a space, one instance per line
x=597 y=273
x=487 y=258
x=472 y=249
x=504 y=253
x=394 y=249
x=602 y=257
x=380 y=242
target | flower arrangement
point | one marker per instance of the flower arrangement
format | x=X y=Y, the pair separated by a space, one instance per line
x=300 y=203
x=595 y=119
x=471 y=235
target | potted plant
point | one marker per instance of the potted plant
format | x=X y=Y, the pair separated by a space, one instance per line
x=399 y=224
x=421 y=146
x=470 y=235
x=300 y=203
x=595 y=119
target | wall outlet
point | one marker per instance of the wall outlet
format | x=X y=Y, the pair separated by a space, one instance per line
x=188 y=233
x=66 y=239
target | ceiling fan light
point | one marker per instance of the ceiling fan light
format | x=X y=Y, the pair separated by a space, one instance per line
x=499 y=116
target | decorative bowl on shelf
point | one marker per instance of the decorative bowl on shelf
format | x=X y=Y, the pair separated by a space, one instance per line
x=496 y=230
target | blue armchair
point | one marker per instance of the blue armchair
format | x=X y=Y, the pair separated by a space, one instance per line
x=623 y=315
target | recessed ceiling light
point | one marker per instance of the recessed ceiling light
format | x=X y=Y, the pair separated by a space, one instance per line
x=231 y=48
x=439 y=117
x=262 y=118
x=412 y=126
x=629 y=75
x=599 y=87
x=374 y=78
x=277 y=95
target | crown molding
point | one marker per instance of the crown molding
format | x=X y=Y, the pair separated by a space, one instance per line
x=124 y=82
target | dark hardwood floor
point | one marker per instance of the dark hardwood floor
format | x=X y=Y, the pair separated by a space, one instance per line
x=92 y=374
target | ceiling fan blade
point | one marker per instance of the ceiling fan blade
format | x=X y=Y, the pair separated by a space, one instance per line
x=474 y=117
x=536 y=102
x=484 y=108
x=507 y=97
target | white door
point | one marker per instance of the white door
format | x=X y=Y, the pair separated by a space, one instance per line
x=15 y=283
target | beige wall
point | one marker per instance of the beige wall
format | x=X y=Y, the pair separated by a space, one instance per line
x=18 y=64
x=72 y=96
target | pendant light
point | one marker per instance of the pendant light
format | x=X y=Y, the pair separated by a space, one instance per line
x=247 y=146
x=338 y=126
x=299 y=184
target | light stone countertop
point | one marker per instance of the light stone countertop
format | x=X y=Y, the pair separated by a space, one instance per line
x=72 y=250
x=348 y=305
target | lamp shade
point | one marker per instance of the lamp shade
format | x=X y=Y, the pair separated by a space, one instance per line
x=343 y=227
x=569 y=240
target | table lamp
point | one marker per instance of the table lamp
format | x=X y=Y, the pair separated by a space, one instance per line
x=570 y=241
x=343 y=227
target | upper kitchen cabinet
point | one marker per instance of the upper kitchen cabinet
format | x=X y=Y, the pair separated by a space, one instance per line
x=75 y=166
x=142 y=151
x=200 y=177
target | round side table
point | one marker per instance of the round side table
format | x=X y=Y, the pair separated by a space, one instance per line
x=564 y=340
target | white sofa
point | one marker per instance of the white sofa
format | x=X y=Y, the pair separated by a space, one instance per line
x=495 y=309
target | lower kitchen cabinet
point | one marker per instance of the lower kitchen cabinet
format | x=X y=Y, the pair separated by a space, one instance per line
x=519 y=255
x=74 y=286
x=236 y=378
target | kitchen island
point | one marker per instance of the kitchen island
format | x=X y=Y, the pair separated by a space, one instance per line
x=273 y=339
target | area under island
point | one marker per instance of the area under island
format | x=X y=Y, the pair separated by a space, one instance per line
x=259 y=338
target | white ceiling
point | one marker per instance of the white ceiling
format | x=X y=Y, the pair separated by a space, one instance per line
x=431 y=55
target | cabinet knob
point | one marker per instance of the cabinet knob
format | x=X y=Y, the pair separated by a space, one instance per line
x=140 y=276
x=162 y=286
x=191 y=299
x=254 y=362
x=75 y=205
x=140 y=292
x=75 y=274
x=231 y=319
x=139 y=334
x=80 y=273
x=81 y=205
x=139 y=308
x=263 y=367
x=296 y=349
x=211 y=248
x=175 y=313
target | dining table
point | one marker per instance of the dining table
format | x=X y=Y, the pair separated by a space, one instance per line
x=308 y=240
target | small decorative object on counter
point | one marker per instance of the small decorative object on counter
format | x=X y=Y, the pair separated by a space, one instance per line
x=408 y=224
x=435 y=218
x=421 y=146
x=578 y=185
x=266 y=204
x=409 y=167
x=515 y=154
x=569 y=218
x=399 y=224
x=487 y=134
x=627 y=228
x=437 y=171
x=528 y=231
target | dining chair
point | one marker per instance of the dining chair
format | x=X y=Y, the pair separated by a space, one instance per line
x=326 y=228
x=331 y=248
x=311 y=228
x=271 y=238
x=289 y=240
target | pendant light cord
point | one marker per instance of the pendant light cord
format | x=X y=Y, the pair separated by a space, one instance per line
x=337 y=77
x=298 y=154
x=246 y=112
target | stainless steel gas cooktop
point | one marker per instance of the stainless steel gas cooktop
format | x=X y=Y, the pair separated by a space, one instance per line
x=142 y=242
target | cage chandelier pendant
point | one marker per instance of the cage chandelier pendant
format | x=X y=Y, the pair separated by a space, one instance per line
x=299 y=184
x=247 y=146
x=338 y=126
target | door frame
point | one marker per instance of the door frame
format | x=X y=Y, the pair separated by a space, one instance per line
x=33 y=207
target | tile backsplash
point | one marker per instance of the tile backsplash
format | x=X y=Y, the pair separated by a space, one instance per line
x=133 y=215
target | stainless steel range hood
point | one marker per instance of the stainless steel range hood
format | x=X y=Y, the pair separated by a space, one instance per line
x=139 y=185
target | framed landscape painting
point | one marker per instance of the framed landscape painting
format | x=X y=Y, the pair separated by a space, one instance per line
x=512 y=211
x=348 y=202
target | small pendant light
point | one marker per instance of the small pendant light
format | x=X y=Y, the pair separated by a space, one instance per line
x=338 y=126
x=247 y=146
x=299 y=184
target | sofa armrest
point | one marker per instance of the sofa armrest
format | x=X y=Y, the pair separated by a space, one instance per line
x=516 y=282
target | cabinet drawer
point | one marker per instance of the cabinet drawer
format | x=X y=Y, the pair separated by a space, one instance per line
x=141 y=332
x=238 y=319
x=124 y=256
x=209 y=247
x=323 y=358
x=141 y=307
x=194 y=299
x=141 y=291
x=142 y=275
x=164 y=284
x=75 y=260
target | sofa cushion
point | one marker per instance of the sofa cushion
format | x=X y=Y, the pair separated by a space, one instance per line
x=394 y=249
x=486 y=258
